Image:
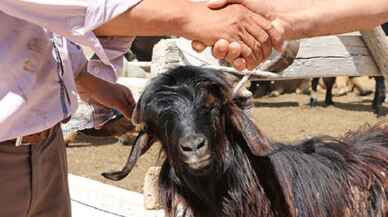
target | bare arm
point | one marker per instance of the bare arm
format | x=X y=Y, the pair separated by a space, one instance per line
x=296 y=19
x=327 y=17
x=149 y=17
x=307 y=18
x=110 y=95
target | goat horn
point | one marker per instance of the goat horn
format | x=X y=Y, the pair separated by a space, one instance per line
x=142 y=143
x=284 y=59
x=278 y=64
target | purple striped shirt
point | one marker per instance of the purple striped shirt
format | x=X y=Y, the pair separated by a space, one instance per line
x=36 y=92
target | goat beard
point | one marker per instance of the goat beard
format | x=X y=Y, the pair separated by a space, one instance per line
x=232 y=189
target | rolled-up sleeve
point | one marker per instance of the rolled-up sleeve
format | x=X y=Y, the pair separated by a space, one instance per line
x=73 y=19
x=115 y=49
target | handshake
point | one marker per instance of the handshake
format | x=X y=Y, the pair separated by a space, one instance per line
x=242 y=32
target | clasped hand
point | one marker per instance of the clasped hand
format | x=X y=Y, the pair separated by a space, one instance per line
x=249 y=39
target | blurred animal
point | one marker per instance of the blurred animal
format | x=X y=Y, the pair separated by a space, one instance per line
x=379 y=96
x=143 y=46
x=377 y=103
x=329 y=84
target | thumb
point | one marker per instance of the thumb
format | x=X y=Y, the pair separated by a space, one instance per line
x=216 y=4
x=127 y=111
x=198 y=46
x=126 y=102
x=277 y=34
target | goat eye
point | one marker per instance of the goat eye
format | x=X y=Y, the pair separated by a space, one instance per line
x=214 y=111
x=205 y=108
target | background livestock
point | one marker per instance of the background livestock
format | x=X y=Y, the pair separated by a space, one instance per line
x=379 y=92
x=377 y=102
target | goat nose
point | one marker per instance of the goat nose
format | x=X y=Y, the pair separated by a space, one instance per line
x=193 y=143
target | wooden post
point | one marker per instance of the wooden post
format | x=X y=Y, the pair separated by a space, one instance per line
x=377 y=44
x=151 y=189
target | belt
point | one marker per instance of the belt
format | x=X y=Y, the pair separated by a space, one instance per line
x=35 y=138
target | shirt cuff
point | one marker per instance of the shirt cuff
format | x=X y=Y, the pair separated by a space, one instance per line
x=99 y=12
x=116 y=47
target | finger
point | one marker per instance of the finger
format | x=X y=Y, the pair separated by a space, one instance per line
x=245 y=50
x=277 y=34
x=266 y=49
x=251 y=62
x=130 y=107
x=275 y=30
x=127 y=112
x=239 y=64
x=264 y=40
x=220 y=49
x=256 y=57
x=234 y=51
x=216 y=4
x=198 y=46
x=127 y=104
x=258 y=29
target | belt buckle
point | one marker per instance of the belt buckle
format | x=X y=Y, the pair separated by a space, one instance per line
x=19 y=141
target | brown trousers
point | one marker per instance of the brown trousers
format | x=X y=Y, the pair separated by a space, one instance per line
x=33 y=179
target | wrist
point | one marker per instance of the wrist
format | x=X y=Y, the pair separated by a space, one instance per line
x=188 y=21
x=149 y=18
x=300 y=24
x=163 y=17
x=294 y=18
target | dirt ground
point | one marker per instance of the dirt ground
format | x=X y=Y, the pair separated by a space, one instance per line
x=285 y=118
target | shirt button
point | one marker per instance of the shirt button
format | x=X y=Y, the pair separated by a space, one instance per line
x=35 y=45
x=29 y=65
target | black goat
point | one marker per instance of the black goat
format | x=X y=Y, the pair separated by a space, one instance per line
x=218 y=163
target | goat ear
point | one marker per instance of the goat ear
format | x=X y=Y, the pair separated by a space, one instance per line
x=142 y=143
x=258 y=144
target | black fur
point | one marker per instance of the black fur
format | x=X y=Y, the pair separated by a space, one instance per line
x=249 y=175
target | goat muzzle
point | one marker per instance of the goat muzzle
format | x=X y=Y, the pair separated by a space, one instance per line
x=195 y=151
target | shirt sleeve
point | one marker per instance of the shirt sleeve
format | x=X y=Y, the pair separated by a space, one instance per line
x=115 y=49
x=77 y=58
x=73 y=19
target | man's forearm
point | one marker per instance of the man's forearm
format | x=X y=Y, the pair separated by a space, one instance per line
x=150 y=18
x=325 y=17
x=110 y=95
x=93 y=87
